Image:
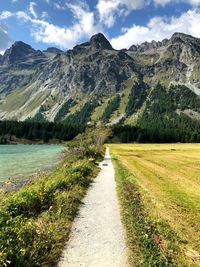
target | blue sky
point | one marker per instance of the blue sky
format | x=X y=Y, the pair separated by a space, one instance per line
x=64 y=23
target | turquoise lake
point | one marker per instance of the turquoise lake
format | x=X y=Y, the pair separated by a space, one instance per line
x=19 y=162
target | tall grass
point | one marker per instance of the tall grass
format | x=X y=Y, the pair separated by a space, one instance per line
x=36 y=220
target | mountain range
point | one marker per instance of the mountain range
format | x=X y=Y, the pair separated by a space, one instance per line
x=94 y=82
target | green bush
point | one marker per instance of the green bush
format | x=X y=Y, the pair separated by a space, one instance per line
x=26 y=203
x=35 y=221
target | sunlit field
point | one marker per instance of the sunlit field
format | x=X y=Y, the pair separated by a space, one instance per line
x=168 y=178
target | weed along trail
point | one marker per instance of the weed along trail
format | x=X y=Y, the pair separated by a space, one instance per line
x=97 y=238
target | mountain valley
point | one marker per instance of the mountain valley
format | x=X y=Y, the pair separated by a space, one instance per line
x=157 y=81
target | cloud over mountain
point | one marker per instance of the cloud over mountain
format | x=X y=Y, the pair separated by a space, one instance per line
x=159 y=28
x=5 y=39
x=80 y=20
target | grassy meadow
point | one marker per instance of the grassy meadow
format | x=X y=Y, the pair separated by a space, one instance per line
x=159 y=191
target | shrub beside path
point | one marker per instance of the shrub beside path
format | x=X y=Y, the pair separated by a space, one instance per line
x=97 y=237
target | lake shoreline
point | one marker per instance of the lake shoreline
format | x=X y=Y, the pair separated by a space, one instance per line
x=13 y=184
x=21 y=163
x=17 y=141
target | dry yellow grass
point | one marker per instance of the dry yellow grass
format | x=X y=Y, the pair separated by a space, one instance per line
x=169 y=176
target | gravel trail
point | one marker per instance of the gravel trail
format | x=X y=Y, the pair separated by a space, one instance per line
x=97 y=238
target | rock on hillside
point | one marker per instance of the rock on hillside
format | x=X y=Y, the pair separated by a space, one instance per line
x=34 y=82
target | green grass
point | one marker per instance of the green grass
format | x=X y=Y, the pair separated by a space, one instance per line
x=36 y=220
x=18 y=98
x=158 y=187
x=124 y=100
x=79 y=104
x=23 y=72
x=37 y=101
x=195 y=72
x=133 y=119
x=98 y=112
x=112 y=106
x=146 y=58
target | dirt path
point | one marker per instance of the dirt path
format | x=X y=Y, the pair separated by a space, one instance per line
x=97 y=234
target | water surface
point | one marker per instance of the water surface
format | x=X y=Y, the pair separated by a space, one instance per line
x=19 y=162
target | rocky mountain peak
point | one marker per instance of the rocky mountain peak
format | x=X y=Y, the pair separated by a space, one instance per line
x=21 y=45
x=99 y=41
x=18 y=51
x=145 y=46
x=182 y=37
x=189 y=43
x=54 y=50
x=177 y=37
x=20 y=48
x=90 y=70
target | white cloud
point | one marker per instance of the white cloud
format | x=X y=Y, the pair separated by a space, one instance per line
x=32 y=10
x=59 y=6
x=86 y=24
x=5 y=15
x=162 y=2
x=109 y=10
x=66 y=37
x=165 y=2
x=44 y=15
x=194 y=2
x=22 y=16
x=159 y=28
x=5 y=40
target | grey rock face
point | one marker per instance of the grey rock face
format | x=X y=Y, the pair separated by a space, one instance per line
x=17 y=66
x=88 y=71
x=53 y=50
x=148 y=46
x=99 y=41
x=91 y=69
x=19 y=52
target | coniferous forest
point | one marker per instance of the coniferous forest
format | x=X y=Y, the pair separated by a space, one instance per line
x=33 y=130
x=163 y=119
